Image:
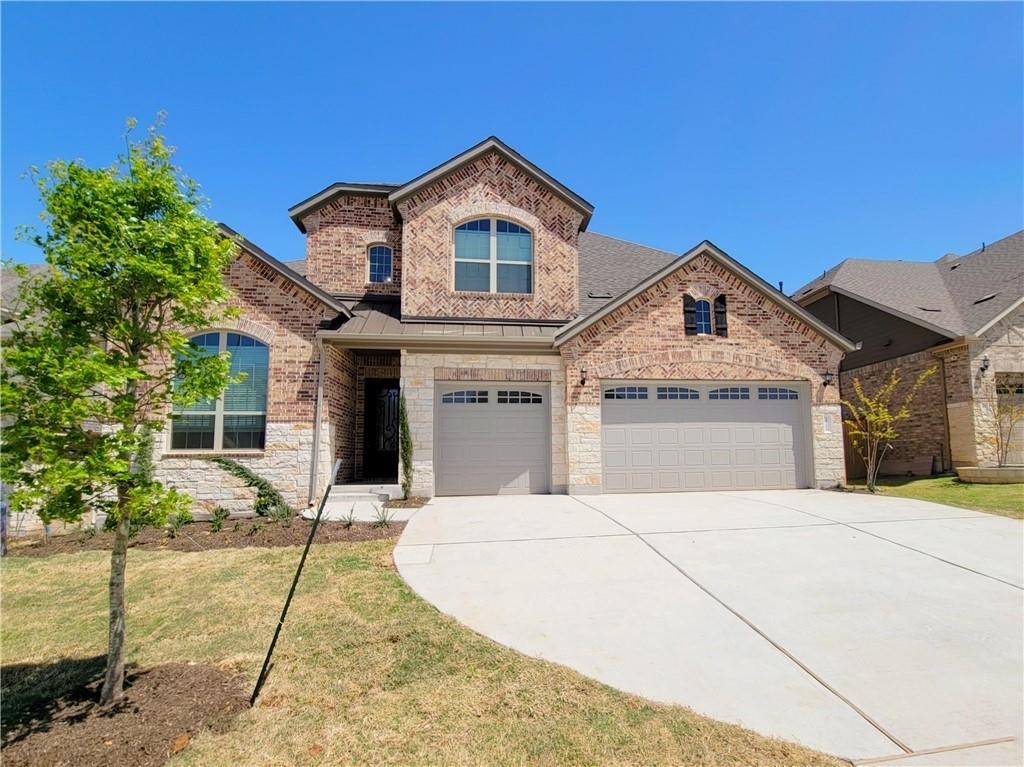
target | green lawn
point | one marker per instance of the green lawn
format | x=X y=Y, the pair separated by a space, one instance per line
x=1007 y=500
x=365 y=672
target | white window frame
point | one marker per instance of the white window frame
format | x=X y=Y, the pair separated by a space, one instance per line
x=391 y=272
x=218 y=411
x=493 y=261
x=711 y=315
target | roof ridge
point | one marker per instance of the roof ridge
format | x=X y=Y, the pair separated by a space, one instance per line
x=631 y=242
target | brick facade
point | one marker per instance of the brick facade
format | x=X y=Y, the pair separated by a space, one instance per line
x=922 y=436
x=490 y=186
x=644 y=339
x=338 y=236
x=286 y=318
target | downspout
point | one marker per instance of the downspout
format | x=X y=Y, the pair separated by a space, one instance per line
x=317 y=409
x=948 y=441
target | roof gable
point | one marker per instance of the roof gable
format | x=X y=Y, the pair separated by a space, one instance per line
x=261 y=255
x=494 y=144
x=710 y=250
x=953 y=296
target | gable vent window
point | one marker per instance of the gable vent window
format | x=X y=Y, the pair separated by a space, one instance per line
x=493 y=256
x=470 y=397
x=774 y=392
x=626 y=392
x=699 y=319
x=519 y=398
x=380 y=259
x=730 y=392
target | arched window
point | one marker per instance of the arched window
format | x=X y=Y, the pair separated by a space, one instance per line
x=237 y=420
x=380 y=259
x=703 y=309
x=493 y=255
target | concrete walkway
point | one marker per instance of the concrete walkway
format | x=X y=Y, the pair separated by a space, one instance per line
x=864 y=627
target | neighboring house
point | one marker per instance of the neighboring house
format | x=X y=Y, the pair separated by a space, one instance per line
x=534 y=356
x=961 y=314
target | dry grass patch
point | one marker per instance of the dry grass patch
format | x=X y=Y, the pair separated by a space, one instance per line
x=365 y=672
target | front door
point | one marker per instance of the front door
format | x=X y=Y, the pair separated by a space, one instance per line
x=380 y=445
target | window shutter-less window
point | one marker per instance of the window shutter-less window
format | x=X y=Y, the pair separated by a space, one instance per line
x=721 y=328
x=690 y=315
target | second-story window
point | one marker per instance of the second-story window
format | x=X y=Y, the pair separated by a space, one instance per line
x=381 y=259
x=493 y=256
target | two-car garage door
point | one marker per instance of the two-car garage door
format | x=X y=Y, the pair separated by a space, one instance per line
x=675 y=435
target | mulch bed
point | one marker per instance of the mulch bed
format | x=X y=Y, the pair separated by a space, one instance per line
x=413 y=502
x=199 y=536
x=163 y=708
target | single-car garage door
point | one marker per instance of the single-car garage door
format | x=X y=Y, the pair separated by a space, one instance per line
x=491 y=439
x=678 y=435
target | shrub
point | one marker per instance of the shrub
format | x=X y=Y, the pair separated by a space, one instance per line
x=175 y=522
x=218 y=517
x=405 y=446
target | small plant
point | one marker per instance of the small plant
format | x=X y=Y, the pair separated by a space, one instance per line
x=177 y=521
x=217 y=518
x=405 y=446
x=349 y=519
x=382 y=517
x=254 y=528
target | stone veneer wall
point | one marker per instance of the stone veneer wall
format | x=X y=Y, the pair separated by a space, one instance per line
x=286 y=318
x=924 y=434
x=970 y=393
x=419 y=372
x=338 y=236
x=644 y=339
x=490 y=186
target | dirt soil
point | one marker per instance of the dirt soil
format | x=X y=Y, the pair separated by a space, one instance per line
x=413 y=502
x=199 y=536
x=162 y=710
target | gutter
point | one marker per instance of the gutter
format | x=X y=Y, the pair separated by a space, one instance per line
x=317 y=409
x=532 y=344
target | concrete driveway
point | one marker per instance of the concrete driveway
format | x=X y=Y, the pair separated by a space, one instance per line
x=868 y=628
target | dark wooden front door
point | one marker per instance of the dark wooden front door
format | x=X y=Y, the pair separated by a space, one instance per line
x=380 y=443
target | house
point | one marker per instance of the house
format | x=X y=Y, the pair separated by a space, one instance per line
x=534 y=356
x=960 y=314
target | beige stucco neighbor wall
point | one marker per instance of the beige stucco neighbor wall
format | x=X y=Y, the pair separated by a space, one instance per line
x=420 y=370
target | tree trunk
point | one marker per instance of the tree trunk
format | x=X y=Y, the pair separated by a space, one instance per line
x=113 y=682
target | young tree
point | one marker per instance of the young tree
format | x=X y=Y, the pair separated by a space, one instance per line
x=1006 y=405
x=101 y=353
x=871 y=421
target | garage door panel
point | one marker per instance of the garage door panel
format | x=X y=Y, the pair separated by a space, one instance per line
x=716 y=444
x=491 y=444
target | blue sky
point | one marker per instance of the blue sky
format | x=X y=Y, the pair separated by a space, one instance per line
x=792 y=136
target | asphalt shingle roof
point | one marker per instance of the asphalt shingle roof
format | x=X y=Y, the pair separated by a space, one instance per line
x=944 y=293
x=610 y=266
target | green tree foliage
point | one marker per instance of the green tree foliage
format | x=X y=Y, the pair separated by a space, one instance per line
x=101 y=352
x=871 y=421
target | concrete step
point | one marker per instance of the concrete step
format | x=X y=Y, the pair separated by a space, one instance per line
x=360 y=491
